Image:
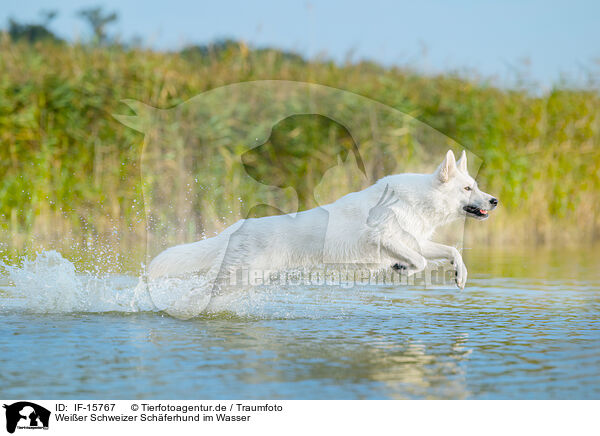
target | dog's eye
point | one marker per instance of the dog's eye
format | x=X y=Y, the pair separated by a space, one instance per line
x=468 y=188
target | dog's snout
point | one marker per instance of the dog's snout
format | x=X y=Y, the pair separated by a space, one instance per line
x=494 y=201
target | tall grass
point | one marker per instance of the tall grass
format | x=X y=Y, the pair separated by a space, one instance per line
x=68 y=169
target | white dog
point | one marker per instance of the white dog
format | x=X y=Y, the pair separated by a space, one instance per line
x=387 y=225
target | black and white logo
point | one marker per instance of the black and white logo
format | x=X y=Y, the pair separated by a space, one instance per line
x=26 y=415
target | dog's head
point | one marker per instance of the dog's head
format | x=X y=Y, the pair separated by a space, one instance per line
x=459 y=190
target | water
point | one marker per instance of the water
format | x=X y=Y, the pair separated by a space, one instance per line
x=526 y=327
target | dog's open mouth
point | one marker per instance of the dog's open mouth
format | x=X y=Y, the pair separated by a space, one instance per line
x=476 y=212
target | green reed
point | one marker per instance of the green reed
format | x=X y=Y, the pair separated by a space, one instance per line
x=70 y=171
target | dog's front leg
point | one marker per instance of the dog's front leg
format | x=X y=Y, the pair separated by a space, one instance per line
x=409 y=260
x=433 y=250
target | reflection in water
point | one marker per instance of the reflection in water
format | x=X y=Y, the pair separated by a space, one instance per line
x=513 y=333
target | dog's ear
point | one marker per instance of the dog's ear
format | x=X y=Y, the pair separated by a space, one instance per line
x=446 y=168
x=142 y=120
x=462 y=163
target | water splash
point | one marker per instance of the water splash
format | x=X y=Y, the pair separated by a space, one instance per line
x=49 y=283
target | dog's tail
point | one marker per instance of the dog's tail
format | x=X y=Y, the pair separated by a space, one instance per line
x=197 y=257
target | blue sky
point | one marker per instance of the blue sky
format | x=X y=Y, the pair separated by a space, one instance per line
x=542 y=39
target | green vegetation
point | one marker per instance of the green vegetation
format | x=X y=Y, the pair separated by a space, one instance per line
x=69 y=170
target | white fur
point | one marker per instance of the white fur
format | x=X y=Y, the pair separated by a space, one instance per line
x=389 y=223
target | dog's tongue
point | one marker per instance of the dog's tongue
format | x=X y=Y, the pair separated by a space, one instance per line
x=484 y=212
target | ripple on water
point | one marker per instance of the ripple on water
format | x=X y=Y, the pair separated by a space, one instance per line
x=502 y=337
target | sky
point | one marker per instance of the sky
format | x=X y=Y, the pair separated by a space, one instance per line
x=542 y=41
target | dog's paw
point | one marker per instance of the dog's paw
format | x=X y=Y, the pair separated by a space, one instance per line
x=410 y=267
x=400 y=267
x=460 y=271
